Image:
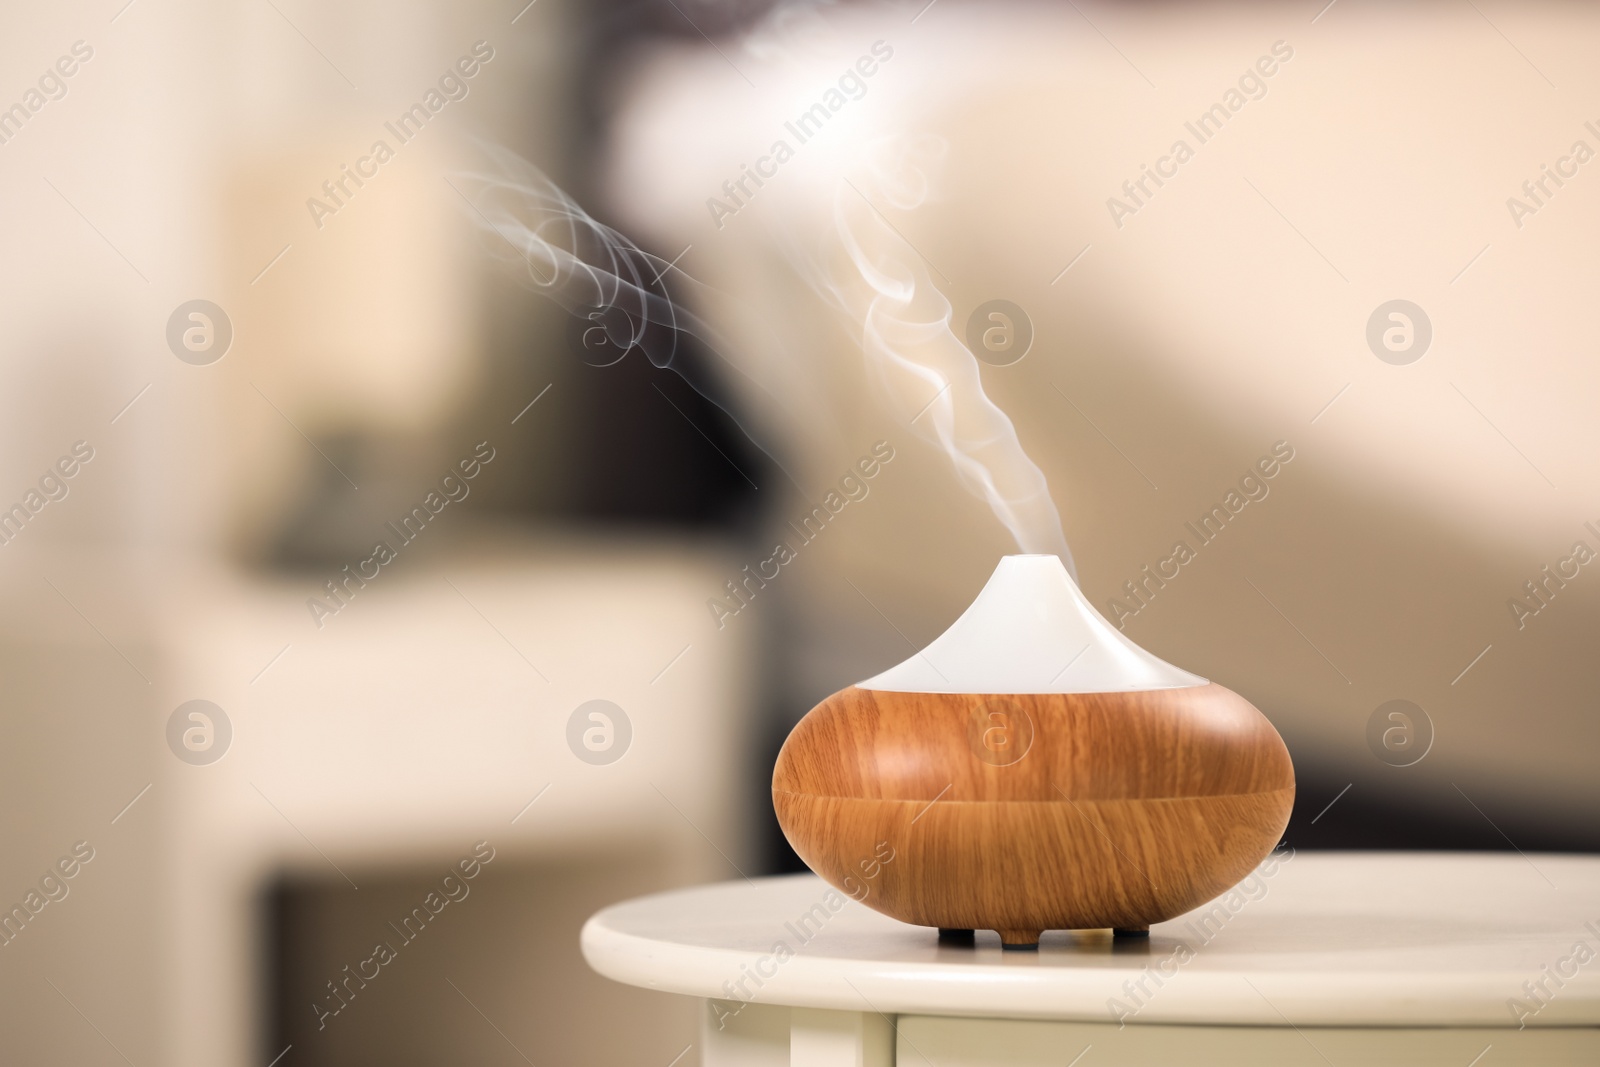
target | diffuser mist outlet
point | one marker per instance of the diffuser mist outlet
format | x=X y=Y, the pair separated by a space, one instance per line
x=1033 y=769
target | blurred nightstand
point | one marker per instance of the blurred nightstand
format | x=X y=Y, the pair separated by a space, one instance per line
x=430 y=713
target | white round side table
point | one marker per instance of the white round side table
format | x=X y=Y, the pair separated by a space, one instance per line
x=1318 y=959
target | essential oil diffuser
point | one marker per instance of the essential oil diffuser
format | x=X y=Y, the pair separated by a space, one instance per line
x=1033 y=769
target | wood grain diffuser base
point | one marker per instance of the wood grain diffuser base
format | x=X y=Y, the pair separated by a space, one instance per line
x=1032 y=769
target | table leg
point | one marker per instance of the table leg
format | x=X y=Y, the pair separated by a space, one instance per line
x=743 y=1035
x=821 y=1038
x=762 y=1035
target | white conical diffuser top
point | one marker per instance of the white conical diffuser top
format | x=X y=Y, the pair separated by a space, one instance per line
x=1031 y=631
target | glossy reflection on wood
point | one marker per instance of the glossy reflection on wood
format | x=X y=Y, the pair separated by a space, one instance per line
x=1030 y=812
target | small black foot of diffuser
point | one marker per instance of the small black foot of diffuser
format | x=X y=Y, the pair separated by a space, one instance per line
x=1019 y=940
x=956 y=937
x=1131 y=931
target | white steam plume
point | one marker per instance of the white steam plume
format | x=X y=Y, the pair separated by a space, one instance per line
x=866 y=268
x=927 y=375
x=596 y=273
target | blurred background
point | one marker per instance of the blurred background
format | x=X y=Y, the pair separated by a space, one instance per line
x=230 y=370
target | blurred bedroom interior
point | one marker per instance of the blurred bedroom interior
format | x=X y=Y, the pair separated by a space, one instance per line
x=618 y=537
